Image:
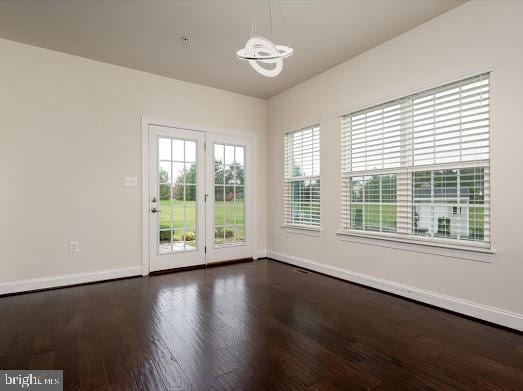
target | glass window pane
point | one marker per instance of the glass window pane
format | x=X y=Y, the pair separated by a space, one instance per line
x=177 y=240
x=449 y=212
x=472 y=185
x=239 y=175
x=229 y=193
x=219 y=235
x=297 y=202
x=190 y=193
x=239 y=234
x=219 y=177
x=190 y=173
x=239 y=193
x=177 y=195
x=165 y=193
x=239 y=157
x=476 y=221
x=164 y=172
x=371 y=214
x=229 y=205
x=229 y=213
x=423 y=220
x=388 y=216
x=229 y=154
x=229 y=175
x=388 y=188
x=445 y=185
x=219 y=205
x=190 y=151
x=442 y=222
x=178 y=151
x=356 y=214
x=373 y=203
x=219 y=213
x=228 y=233
x=239 y=213
x=218 y=154
x=178 y=215
x=190 y=238
x=356 y=189
x=165 y=242
x=219 y=192
x=164 y=148
x=372 y=188
x=190 y=213
x=422 y=182
x=178 y=173
x=178 y=192
x=165 y=217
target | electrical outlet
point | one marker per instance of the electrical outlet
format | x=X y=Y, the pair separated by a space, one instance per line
x=74 y=247
x=130 y=181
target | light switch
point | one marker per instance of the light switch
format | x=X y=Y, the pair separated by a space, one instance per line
x=130 y=181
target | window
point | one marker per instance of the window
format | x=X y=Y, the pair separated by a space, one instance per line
x=373 y=203
x=229 y=194
x=177 y=191
x=302 y=177
x=418 y=167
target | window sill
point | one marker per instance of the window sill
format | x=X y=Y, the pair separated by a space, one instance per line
x=481 y=254
x=302 y=229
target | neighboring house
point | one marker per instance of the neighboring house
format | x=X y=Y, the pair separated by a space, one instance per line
x=442 y=213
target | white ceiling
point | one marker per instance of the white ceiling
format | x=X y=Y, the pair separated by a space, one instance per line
x=145 y=35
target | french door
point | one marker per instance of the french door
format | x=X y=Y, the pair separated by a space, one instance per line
x=199 y=198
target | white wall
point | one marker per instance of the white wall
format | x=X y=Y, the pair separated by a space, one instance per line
x=473 y=37
x=70 y=131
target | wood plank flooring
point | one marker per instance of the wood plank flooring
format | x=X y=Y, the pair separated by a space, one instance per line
x=252 y=326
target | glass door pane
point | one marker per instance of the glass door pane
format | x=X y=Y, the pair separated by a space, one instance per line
x=229 y=194
x=177 y=195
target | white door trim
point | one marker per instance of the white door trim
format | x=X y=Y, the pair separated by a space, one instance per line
x=146 y=121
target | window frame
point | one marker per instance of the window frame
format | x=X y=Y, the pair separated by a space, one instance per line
x=405 y=173
x=289 y=180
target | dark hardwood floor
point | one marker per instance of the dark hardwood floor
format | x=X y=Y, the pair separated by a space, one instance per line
x=257 y=325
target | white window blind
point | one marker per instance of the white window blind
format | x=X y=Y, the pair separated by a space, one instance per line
x=302 y=177
x=431 y=150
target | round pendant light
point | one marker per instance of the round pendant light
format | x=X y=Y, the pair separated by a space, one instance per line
x=259 y=50
x=265 y=57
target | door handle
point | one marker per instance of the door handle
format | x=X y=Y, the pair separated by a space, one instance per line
x=154 y=210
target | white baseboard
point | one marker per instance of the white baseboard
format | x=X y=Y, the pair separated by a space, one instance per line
x=67 y=279
x=495 y=315
x=261 y=254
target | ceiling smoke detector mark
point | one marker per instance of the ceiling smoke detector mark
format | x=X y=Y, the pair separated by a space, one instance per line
x=185 y=40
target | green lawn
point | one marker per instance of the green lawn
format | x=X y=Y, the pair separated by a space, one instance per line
x=224 y=215
x=372 y=218
x=178 y=214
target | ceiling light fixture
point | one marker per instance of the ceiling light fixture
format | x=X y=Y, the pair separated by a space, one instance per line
x=260 y=50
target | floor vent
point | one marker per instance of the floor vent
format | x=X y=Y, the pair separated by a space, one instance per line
x=301 y=271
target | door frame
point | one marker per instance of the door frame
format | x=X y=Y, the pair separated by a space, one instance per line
x=146 y=121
